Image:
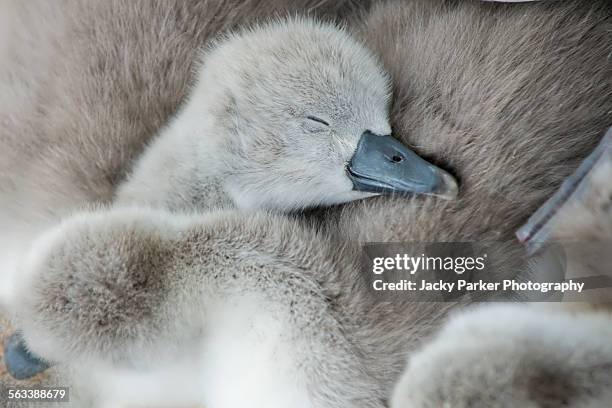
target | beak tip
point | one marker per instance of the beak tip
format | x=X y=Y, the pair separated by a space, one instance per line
x=449 y=189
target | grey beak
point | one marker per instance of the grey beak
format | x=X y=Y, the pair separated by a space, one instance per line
x=381 y=164
x=20 y=363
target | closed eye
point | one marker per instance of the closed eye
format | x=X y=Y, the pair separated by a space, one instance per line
x=315 y=119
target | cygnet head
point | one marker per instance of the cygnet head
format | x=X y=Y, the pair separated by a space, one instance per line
x=295 y=114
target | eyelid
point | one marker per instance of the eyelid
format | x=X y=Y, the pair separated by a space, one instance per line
x=314 y=118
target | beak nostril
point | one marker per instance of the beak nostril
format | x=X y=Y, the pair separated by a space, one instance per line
x=397 y=158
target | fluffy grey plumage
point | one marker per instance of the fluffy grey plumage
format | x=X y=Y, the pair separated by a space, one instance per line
x=509 y=97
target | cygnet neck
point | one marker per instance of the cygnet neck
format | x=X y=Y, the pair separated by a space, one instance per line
x=180 y=170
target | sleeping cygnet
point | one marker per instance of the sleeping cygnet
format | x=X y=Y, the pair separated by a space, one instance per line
x=285 y=116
